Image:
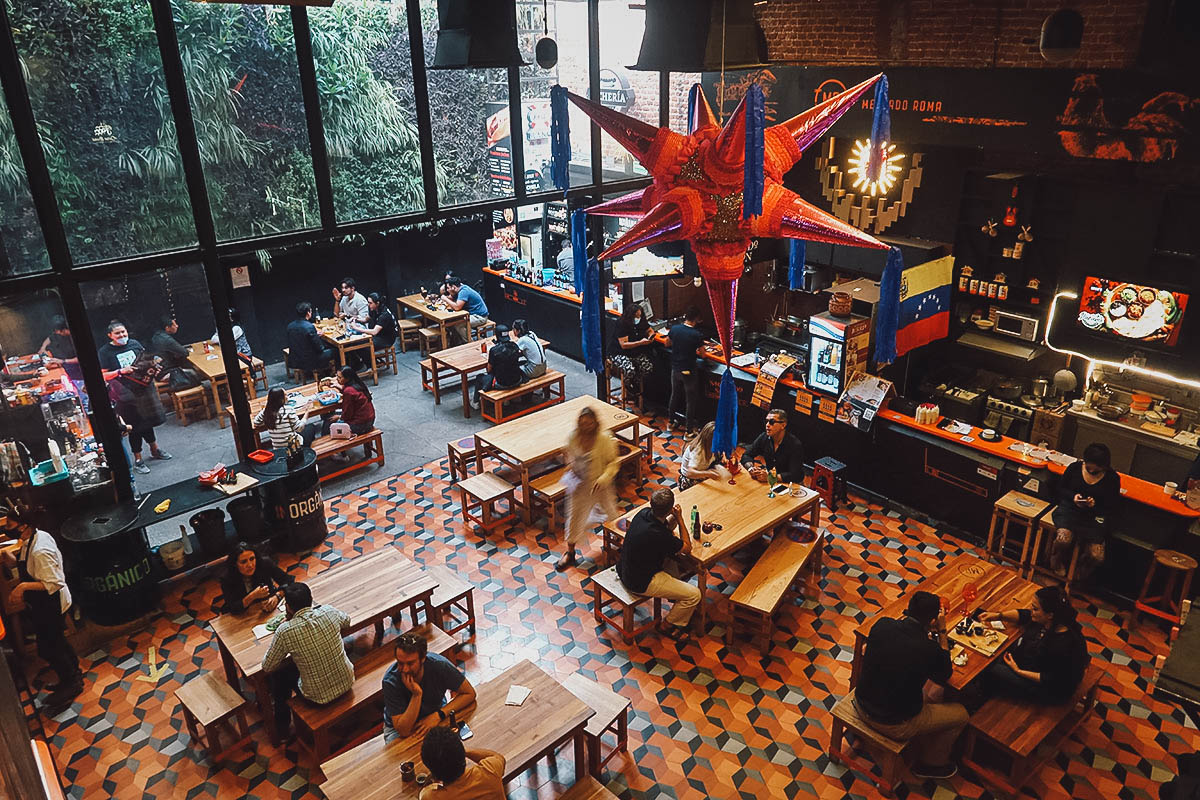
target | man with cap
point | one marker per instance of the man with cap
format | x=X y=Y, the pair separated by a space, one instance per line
x=504 y=366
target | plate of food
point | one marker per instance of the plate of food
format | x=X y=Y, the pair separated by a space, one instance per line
x=1131 y=311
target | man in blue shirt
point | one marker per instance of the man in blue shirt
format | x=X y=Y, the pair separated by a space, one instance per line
x=414 y=690
x=463 y=298
x=685 y=340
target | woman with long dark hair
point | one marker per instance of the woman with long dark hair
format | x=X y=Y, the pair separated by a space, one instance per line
x=281 y=422
x=357 y=409
x=251 y=578
x=1049 y=660
x=629 y=347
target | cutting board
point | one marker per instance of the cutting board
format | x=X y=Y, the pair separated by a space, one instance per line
x=1161 y=430
x=244 y=482
x=984 y=644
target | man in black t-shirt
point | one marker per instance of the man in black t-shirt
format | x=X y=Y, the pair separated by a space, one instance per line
x=380 y=324
x=900 y=656
x=648 y=543
x=504 y=366
x=775 y=449
x=685 y=340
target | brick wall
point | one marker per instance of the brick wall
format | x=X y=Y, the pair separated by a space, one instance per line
x=945 y=33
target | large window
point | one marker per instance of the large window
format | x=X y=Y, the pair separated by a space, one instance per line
x=244 y=85
x=632 y=92
x=364 y=75
x=468 y=109
x=20 y=236
x=96 y=87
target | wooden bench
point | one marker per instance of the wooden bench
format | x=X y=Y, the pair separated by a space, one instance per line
x=212 y=703
x=1025 y=733
x=492 y=401
x=478 y=496
x=629 y=453
x=316 y=723
x=888 y=752
x=642 y=436
x=548 y=490
x=372 y=444
x=607 y=590
x=612 y=716
x=447 y=381
x=587 y=789
x=754 y=602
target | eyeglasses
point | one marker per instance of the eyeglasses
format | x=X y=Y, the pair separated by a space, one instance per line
x=776 y=422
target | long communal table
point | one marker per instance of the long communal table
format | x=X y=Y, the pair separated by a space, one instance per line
x=441 y=317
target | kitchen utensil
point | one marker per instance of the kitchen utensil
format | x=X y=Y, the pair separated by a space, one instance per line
x=1065 y=381
x=839 y=304
x=1040 y=387
x=1112 y=411
x=1170 y=487
x=984 y=324
x=1008 y=389
x=989 y=435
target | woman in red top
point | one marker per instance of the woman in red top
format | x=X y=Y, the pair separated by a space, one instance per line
x=357 y=410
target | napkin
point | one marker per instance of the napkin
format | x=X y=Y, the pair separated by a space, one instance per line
x=517 y=695
x=261 y=631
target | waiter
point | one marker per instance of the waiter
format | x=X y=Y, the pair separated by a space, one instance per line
x=42 y=588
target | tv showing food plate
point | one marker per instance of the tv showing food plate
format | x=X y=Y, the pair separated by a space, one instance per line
x=1131 y=311
x=644 y=264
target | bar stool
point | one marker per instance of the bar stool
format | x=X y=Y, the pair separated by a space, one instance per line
x=1177 y=564
x=1015 y=508
x=1047 y=531
x=619 y=395
x=829 y=481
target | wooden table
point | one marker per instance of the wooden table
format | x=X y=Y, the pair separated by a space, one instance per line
x=462 y=361
x=367 y=589
x=259 y=403
x=536 y=437
x=334 y=332
x=998 y=589
x=742 y=509
x=211 y=365
x=441 y=317
x=523 y=734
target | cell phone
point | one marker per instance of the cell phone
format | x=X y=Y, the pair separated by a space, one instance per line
x=464 y=731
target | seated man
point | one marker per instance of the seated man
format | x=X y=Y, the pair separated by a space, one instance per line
x=443 y=754
x=503 y=368
x=648 y=542
x=775 y=449
x=306 y=348
x=348 y=303
x=414 y=690
x=175 y=364
x=307 y=653
x=900 y=656
x=463 y=298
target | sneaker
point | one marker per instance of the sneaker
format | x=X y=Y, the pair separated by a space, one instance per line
x=475 y=402
x=936 y=772
x=160 y=455
x=140 y=468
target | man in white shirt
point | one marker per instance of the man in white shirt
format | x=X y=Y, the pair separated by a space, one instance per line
x=351 y=306
x=42 y=588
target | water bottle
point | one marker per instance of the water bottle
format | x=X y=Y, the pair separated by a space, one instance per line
x=695 y=523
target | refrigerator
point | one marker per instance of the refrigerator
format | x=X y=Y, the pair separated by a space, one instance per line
x=837 y=346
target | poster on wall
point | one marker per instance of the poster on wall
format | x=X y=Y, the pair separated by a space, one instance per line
x=1131 y=311
x=861 y=401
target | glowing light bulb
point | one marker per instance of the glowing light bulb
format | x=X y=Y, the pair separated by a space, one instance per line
x=860 y=161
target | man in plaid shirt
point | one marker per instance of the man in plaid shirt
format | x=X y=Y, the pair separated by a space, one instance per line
x=318 y=666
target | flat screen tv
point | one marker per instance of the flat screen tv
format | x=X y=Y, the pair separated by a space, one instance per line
x=644 y=264
x=1131 y=311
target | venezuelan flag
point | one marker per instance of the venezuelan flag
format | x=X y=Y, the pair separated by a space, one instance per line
x=924 y=304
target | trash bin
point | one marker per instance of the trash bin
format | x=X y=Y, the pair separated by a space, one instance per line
x=292 y=503
x=209 y=526
x=247 y=515
x=111 y=577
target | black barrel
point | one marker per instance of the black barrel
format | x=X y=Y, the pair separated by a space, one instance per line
x=293 y=503
x=111 y=576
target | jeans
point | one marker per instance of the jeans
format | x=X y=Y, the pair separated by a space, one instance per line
x=283 y=682
x=685 y=387
x=935 y=728
x=129 y=459
x=685 y=596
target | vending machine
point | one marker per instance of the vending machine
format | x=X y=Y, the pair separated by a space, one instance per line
x=836 y=347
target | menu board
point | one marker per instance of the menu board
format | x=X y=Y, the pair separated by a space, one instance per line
x=1131 y=311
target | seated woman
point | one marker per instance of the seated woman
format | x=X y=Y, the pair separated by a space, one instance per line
x=698 y=462
x=357 y=409
x=1048 y=661
x=251 y=579
x=282 y=423
x=1087 y=500
x=629 y=347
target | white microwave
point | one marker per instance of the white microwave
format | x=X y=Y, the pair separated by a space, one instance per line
x=1020 y=326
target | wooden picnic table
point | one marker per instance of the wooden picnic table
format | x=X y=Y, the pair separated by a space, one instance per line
x=536 y=437
x=367 y=589
x=997 y=587
x=211 y=365
x=462 y=361
x=742 y=509
x=345 y=341
x=308 y=390
x=441 y=317
x=523 y=734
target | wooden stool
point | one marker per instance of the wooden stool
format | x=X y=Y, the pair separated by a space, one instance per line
x=612 y=716
x=211 y=702
x=829 y=481
x=483 y=330
x=453 y=594
x=888 y=752
x=188 y=401
x=620 y=394
x=1019 y=509
x=386 y=357
x=1177 y=564
x=1047 y=530
x=431 y=340
x=258 y=375
x=607 y=590
x=407 y=333
x=459 y=456
x=480 y=493
x=166 y=394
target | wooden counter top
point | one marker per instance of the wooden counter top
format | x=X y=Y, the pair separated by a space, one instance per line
x=562 y=294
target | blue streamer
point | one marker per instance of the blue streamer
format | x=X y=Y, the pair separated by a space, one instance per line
x=560 y=138
x=579 y=246
x=796 y=264
x=725 y=436
x=881 y=129
x=593 y=358
x=752 y=178
x=887 y=313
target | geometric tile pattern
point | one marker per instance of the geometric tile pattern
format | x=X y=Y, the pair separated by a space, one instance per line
x=708 y=720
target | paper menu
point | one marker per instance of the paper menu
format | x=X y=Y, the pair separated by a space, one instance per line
x=517 y=695
x=261 y=632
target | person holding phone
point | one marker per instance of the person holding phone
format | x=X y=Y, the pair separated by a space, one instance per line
x=414 y=690
x=251 y=578
x=629 y=347
x=443 y=754
x=1049 y=660
x=1087 y=500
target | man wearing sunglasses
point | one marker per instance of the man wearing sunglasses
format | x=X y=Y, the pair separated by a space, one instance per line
x=775 y=449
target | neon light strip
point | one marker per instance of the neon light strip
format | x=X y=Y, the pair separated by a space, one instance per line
x=1151 y=373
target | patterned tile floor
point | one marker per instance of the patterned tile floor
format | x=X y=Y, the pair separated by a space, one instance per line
x=708 y=720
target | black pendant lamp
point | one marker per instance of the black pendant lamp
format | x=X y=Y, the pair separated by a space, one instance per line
x=701 y=36
x=477 y=33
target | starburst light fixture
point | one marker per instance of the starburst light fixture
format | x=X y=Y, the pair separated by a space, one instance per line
x=861 y=158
